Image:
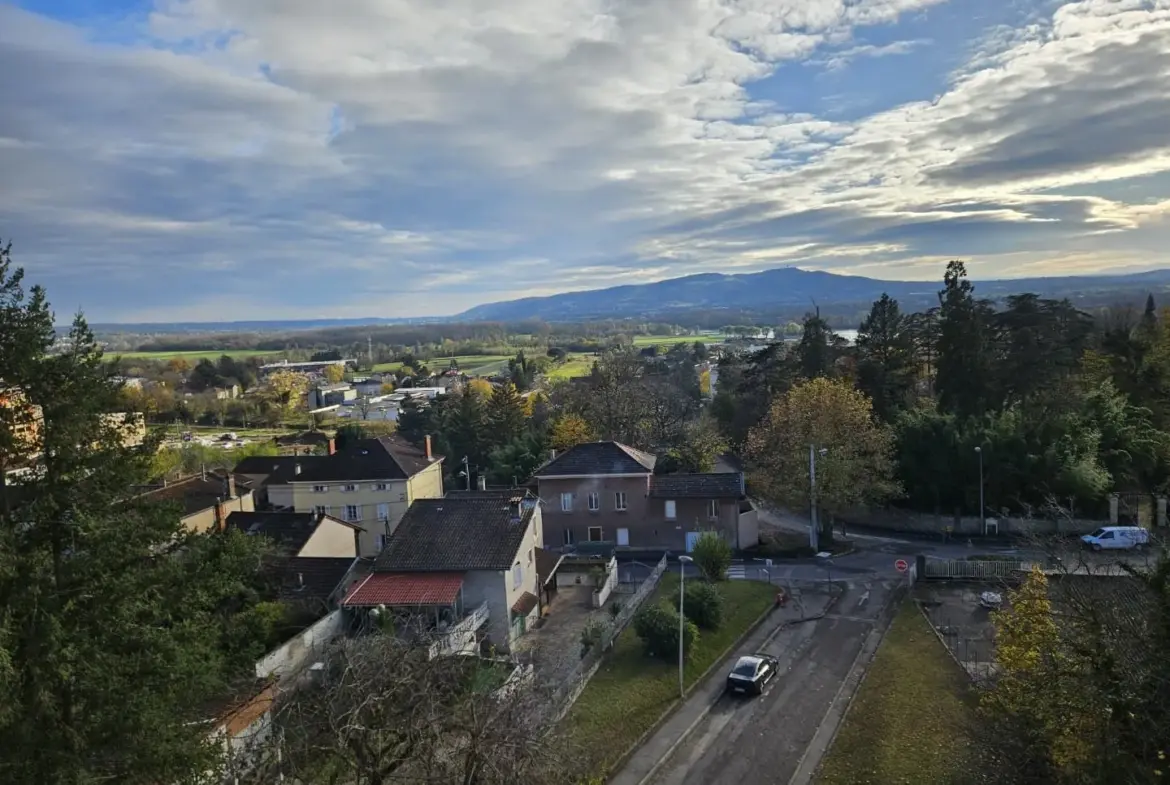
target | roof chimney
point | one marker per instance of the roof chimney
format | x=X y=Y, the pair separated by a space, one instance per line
x=427 y=447
x=331 y=446
x=482 y=482
x=230 y=482
x=552 y=455
x=296 y=468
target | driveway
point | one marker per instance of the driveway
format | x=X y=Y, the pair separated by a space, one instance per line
x=761 y=741
x=555 y=646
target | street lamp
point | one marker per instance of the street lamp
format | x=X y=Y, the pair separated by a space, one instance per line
x=813 y=533
x=982 y=509
x=683 y=561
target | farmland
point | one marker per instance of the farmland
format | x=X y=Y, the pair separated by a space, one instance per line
x=196 y=356
x=574 y=365
x=671 y=340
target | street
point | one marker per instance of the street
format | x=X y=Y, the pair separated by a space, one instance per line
x=753 y=741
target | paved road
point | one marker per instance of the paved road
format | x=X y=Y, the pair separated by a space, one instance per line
x=759 y=741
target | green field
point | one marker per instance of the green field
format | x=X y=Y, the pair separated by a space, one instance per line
x=574 y=365
x=630 y=691
x=195 y=356
x=670 y=340
x=470 y=364
x=910 y=720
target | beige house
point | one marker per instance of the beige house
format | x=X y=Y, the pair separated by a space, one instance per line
x=205 y=500
x=371 y=483
x=608 y=492
x=465 y=563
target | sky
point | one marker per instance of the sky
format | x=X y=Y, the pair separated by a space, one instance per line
x=205 y=160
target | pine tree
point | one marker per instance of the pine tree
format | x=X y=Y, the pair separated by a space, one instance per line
x=113 y=620
x=886 y=364
x=964 y=377
x=504 y=413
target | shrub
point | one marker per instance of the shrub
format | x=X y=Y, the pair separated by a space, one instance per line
x=591 y=635
x=702 y=604
x=615 y=609
x=712 y=556
x=657 y=626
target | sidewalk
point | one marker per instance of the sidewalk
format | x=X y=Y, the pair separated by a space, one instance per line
x=653 y=751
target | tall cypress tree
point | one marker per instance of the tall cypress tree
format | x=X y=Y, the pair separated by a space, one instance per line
x=964 y=377
x=112 y=618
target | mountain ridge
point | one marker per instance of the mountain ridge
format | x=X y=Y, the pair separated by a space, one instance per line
x=782 y=287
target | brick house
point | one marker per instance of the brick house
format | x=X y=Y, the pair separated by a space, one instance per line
x=608 y=492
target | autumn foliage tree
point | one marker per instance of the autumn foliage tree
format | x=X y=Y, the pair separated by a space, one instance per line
x=569 y=430
x=858 y=465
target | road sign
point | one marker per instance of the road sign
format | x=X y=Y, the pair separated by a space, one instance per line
x=901 y=565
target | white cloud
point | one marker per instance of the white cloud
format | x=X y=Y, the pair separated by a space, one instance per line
x=322 y=159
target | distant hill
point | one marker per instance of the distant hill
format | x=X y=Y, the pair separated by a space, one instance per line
x=788 y=288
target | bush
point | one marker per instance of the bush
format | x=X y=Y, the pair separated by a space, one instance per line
x=591 y=636
x=657 y=626
x=712 y=556
x=702 y=604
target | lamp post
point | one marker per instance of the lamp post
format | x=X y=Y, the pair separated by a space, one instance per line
x=683 y=561
x=814 y=529
x=982 y=508
x=466 y=472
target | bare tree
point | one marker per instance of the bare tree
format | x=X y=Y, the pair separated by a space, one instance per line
x=381 y=710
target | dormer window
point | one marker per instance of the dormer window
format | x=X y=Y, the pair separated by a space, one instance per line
x=349 y=488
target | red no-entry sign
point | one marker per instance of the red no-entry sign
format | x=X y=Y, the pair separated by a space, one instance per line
x=901 y=565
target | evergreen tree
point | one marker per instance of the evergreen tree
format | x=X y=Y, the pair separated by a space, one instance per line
x=817 y=352
x=114 y=621
x=504 y=414
x=964 y=378
x=886 y=366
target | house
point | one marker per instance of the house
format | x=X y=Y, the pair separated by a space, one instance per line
x=608 y=492
x=464 y=565
x=131 y=425
x=331 y=395
x=205 y=500
x=370 y=483
x=316 y=556
x=229 y=393
x=271 y=475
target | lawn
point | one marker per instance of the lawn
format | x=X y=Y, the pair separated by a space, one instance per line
x=196 y=356
x=574 y=365
x=470 y=364
x=630 y=691
x=909 y=722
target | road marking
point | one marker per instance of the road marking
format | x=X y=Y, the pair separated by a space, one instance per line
x=864 y=599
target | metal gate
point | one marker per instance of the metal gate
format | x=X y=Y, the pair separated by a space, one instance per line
x=973 y=570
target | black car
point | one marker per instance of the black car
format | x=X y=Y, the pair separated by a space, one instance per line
x=751 y=673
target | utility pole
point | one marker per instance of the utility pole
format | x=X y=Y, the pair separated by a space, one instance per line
x=370 y=349
x=683 y=561
x=982 y=508
x=814 y=528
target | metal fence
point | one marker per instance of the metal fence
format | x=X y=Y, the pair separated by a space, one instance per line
x=972 y=570
x=575 y=681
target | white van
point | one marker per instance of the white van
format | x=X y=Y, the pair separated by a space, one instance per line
x=1111 y=538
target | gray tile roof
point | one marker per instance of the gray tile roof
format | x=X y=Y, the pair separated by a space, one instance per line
x=599 y=458
x=456 y=535
x=313 y=577
x=383 y=458
x=717 y=485
x=280 y=469
x=289 y=530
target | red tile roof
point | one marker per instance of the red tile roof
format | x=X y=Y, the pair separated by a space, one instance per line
x=524 y=603
x=395 y=588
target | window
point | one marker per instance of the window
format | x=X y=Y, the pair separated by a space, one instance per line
x=619 y=500
x=713 y=509
x=594 y=502
x=380 y=486
x=320 y=510
x=567 y=536
x=320 y=488
x=530 y=556
x=380 y=541
x=566 y=502
x=353 y=512
x=349 y=488
x=671 y=509
x=517 y=576
x=383 y=512
x=594 y=534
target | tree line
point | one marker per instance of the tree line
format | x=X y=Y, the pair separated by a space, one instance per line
x=1057 y=403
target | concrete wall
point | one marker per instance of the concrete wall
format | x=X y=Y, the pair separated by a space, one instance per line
x=601 y=594
x=488 y=586
x=331 y=538
x=301 y=649
x=748 y=529
x=280 y=496
x=925 y=523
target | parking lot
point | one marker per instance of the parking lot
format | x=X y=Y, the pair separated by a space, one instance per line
x=962 y=623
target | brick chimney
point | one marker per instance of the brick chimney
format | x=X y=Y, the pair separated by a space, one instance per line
x=331 y=447
x=427 y=447
x=230 y=484
x=221 y=514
